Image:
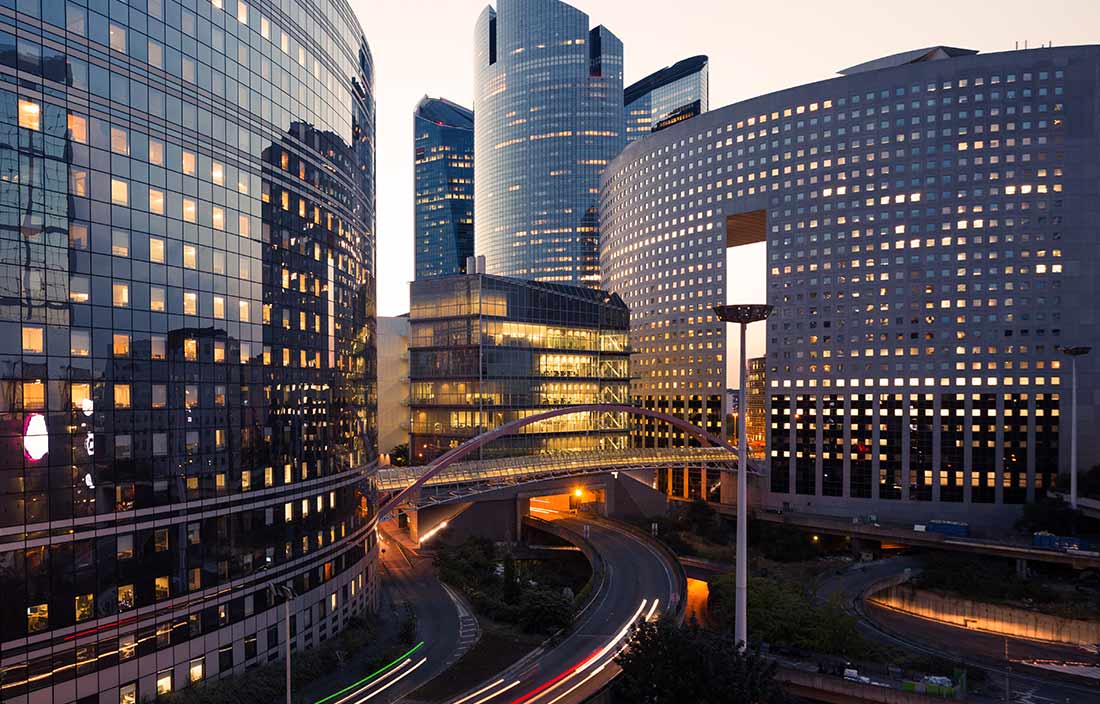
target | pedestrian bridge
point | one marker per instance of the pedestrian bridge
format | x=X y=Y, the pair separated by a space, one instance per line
x=462 y=480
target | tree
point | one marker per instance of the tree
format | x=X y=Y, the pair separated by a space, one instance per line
x=669 y=664
x=399 y=455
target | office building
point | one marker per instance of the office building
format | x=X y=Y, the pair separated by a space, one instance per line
x=188 y=297
x=487 y=350
x=666 y=97
x=928 y=223
x=756 y=422
x=444 y=154
x=393 y=382
x=548 y=99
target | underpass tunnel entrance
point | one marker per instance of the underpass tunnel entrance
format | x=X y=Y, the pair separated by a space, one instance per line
x=560 y=504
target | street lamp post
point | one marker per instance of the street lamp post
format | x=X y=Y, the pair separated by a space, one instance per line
x=743 y=315
x=1073 y=353
x=288 y=595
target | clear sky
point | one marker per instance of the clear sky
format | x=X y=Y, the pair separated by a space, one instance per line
x=425 y=47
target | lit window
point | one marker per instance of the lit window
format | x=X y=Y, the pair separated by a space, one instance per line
x=191 y=349
x=34 y=395
x=127 y=694
x=78 y=236
x=196 y=670
x=158 y=347
x=80 y=343
x=121 y=345
x=79 y=289
x=190 y=395
x=156 y=250
x=156 y=201
x=190 y=210
x=156 y=152
x=30 y=114
x=242 y=307
x=164 y=679
x=156 y=298
x=218 y=218
x=194 y=579
x=189 y=163
x=38 y=618
x=219 y=395
x=117 y=38
x=125 y=603
x=190 y=303
x=84 y=605
x=219 y=351
x=33 y=340
x=219 y=307
x=122 y=395
x=79 y=393
x=78 y=128
x=120 y=192
x=217 y=173
x=120 y=141
x=242 y=12
x=78 y=181
x=120 y=243
x=244 y=225
x=120 y=295
x=190 y=256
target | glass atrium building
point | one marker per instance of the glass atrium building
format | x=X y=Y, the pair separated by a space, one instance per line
x=548 y=98
x=487 y=350
x=444 y=134
x=187 y=291
x=666 y=97
x=929 y=220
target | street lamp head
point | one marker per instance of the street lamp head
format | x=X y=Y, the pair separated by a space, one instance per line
x=1075 y=351
x=743 y=313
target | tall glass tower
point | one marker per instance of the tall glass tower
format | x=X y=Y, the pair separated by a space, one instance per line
x=187 y=294
x=666 y=97
x=549 y=103
x=444 y=134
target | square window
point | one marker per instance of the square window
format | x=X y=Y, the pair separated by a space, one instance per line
x=120 y=141
x=190 y=303
x=164 y=679
x=78 y=236
x=217 y=216
x=120 y=192
x=122 y=395
x=84 y=605
x=125 y=547
x=219 y=307
x=191 y=350
x=190 y=256
x=191 y=395
x=80 y=393
x=38 y=618
x=30 y=114
x=242 y=308
x=197 y=670
x=156 y=250
x=120 y=243
x=156 y=152
x=217 y=173
x=190 y=210
x=120 y=345
x=78 y=181
x=160 y=395
x=156 y=201
x=127 y=694
x=120 y=295
x=189 y=161
x=156 y=298
x=79 y=289
x=80 y=343
x=117 y=37
x=219 y=351
x=78 y=128
x=34 y=395
x=159 y=347
x=33 y=342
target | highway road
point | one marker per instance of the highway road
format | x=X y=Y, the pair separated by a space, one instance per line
x=639 y=583
x=445 y=629
x=982 y=650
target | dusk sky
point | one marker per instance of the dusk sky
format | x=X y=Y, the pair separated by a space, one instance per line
x=424 y=47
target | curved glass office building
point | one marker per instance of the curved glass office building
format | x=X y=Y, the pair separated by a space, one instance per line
x=188 y=383
x=930 y=228
x=548 y=96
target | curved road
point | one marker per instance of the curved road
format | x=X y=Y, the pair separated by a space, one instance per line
x=638 y=583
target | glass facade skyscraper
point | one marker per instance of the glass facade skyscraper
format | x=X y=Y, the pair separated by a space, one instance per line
x=548 y=100
x=444 y=134
x=187 y=292
x=666 y=97
x=488 y=350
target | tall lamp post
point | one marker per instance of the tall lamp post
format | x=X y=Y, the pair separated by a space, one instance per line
x=743 y=315
x=288 y=595
x=1073 y=353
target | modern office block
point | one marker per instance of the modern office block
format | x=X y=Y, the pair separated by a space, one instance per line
x=666 y=97
x=444 y=153
x=548 y=99
x=929 y=227
x=756 y=422
x=187 y=265
x=488 y=350
x=393 y=382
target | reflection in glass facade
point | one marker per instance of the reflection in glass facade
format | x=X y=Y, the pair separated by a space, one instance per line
x=444 y=134
x=487 y=350
x=548 y=100
x=666 y=97
x=187 y=298
x=927 y=218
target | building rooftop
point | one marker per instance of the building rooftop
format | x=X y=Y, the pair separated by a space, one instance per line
x=667 y=75
x=916 y=56
x=445 y=113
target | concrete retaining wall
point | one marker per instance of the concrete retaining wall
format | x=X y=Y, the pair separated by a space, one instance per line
x=1002 y=620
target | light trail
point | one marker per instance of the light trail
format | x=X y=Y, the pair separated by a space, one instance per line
x=490 y=696
x=649 y=616
x=372 y=675
x=403 y=675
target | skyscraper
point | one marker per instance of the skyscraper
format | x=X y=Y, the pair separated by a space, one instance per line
x=666 y=97
x=548 y=100
x=187 y=293
x=444 y=134
x=913 y=361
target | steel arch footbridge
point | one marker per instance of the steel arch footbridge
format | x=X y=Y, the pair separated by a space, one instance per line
x=449 y=478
